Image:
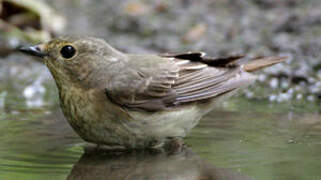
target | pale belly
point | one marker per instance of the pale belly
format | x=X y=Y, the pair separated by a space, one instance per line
x=166 y=124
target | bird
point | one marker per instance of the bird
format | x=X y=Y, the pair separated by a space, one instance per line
x=139 y=101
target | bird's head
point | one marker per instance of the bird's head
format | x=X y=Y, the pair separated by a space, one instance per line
x=74 y=59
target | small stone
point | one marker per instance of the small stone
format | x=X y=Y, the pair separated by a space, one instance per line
x=272 y=97
x=136 y=8
x=283 y=97
x=311 y=98
x=291 y=141
x=261 y=77
x=195 y=33
x=34 y=94
x=274 y=83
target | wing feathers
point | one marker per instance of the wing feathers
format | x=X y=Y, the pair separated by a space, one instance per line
x=262 y=62
x=178 y=79
x=213 y=91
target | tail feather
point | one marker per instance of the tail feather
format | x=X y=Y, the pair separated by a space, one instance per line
x=262 y=62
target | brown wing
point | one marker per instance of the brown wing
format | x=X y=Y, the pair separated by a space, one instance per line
x=168 y=81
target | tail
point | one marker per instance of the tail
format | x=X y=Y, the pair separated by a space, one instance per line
x=262 y=62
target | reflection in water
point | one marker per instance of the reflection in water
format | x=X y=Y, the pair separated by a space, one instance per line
x=150 y=165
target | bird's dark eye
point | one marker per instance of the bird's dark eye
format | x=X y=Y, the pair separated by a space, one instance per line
x=68 y=51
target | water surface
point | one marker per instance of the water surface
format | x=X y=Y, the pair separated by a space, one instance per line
x=243 y=140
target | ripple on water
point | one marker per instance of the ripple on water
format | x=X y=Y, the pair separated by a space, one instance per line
x=36 y=145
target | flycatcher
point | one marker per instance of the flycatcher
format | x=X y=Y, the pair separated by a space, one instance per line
x=138 y=101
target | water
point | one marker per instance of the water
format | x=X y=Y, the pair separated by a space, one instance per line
x=243 y=140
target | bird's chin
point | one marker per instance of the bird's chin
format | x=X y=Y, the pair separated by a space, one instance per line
x=55 y=72
x=51 y=65
x=48 y=63
x=45 y=61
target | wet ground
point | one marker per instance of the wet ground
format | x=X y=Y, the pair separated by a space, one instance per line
x=289 y=28
x=265 y=133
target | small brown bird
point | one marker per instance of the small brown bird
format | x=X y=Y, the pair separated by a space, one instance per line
x=138 y=101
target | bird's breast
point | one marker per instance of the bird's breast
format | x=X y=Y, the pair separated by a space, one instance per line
x=92 y=116
x=79 y=109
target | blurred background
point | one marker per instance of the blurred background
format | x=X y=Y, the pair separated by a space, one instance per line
x=275 y=123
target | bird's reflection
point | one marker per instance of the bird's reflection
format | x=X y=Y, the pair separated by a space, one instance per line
x=147 y=165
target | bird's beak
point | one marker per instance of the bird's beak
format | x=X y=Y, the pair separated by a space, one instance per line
x=34 y=51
